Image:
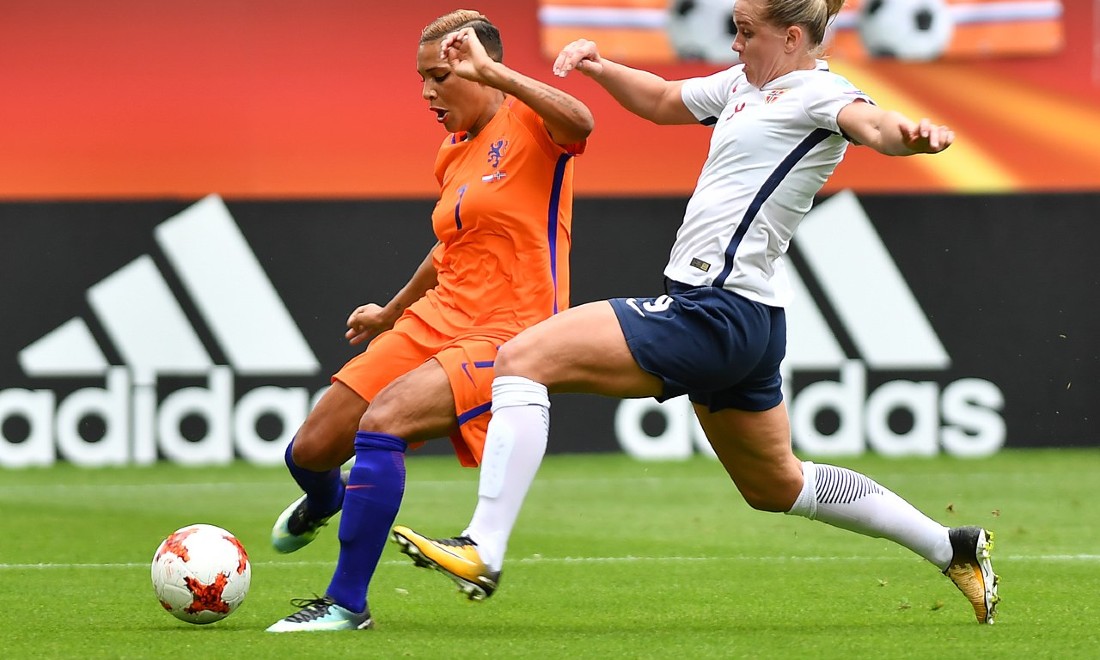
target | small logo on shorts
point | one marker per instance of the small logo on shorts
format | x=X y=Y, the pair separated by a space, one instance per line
x=701 y=265
x=656 y=305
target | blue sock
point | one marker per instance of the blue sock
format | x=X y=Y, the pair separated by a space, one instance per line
x=324 y=490
x=374 y=492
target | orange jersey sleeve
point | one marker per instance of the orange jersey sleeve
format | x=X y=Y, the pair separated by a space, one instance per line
x=504 y=220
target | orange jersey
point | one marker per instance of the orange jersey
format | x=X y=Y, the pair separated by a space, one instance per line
x=503 y=220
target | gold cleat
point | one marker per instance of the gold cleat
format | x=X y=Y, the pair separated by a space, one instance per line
x=457 y=558
x=972 y=571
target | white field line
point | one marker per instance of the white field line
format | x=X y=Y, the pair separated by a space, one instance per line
x=548 y=482
x=536 y=559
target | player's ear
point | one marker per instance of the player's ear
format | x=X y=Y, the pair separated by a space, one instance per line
x=793 y=38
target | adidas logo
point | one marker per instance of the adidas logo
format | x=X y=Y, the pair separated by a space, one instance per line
x=853 y=314
x=154 y=338
x=876 y=309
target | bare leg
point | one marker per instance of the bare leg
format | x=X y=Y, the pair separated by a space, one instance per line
x=755 y=449
x=579 y=350
x=313 y=458
x=416 y=406
x=324 y=441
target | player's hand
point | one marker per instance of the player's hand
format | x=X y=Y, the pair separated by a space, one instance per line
x=925 y=137
x=463 y=51
x=366 y=322
x=581 y=55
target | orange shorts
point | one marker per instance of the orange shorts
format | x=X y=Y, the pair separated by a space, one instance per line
x=467 y=361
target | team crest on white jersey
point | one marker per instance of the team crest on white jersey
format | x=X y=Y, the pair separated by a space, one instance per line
x=773 y=95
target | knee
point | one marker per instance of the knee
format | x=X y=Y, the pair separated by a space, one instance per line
x=310 y=451
x=381 y=416
x=762 y=500
x=323 y=442
x=511 y=359
x=774 y=496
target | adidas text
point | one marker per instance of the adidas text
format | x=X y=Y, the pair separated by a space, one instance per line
x=139 y=414
x=138 y=429
x=961 y=419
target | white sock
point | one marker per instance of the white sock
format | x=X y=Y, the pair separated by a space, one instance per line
x=852 y=501
x=514 y=446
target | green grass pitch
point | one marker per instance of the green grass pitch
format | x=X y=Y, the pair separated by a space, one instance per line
x=611 y=558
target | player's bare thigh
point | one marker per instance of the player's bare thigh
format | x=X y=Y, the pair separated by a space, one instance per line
x=327 y=438
x=579 y=350
x=755 y=449
x=414 y=407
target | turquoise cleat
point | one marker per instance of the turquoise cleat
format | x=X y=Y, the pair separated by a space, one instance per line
x=294 y=529
x=321 y=615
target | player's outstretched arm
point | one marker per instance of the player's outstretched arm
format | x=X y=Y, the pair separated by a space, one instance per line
x=567 y=119
x=369 y=320
x=645 y=94
x=892 y=133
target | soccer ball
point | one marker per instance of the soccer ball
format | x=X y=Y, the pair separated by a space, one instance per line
x=906 y=29
x=201 y=573
x=702 y=30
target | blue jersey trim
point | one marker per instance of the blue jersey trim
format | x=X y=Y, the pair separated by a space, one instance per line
x=474 y=412
x=552 y=222
x=773 y=181
x=481 y=364
x=458 y=206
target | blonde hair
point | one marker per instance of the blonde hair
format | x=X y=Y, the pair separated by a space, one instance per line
x=814 y=15
x=486 y=32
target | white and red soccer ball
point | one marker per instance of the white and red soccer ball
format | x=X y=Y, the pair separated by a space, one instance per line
x=201 y=573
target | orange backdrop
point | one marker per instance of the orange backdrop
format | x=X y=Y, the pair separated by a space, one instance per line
x=280 y=99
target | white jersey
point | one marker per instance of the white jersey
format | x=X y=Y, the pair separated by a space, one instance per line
x=771 y=152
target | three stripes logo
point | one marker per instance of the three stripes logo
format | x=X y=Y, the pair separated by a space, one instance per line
x=853 y=314
x=150 y=331
x=877 y=312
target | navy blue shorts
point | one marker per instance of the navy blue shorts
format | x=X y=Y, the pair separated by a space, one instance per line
x=720 y=348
